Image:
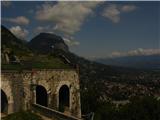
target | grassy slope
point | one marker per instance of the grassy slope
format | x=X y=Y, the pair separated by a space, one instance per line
x=23 y=115
x=37 y=62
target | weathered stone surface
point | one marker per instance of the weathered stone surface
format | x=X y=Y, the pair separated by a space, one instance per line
x=20 y=88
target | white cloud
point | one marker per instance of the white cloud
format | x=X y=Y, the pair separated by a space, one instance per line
x=46 y=29
x=19 y=32
x=136 y=52
x=20 y=20
x=66 y=16
x=71 y=42
x=113 y=11
x=6 y=3
x=128 y=8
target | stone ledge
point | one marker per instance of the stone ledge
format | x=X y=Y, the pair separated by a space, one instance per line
x=52 y=113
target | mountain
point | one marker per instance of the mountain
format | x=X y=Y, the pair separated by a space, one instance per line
x=16 y=55
x=139 y=62
x=40 y=53
x=97 y=81
x=45 y=42
x=10 y=42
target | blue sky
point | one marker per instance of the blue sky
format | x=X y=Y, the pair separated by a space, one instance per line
x=91 y=29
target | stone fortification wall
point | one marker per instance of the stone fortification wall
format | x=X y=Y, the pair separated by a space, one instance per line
x=20 y=88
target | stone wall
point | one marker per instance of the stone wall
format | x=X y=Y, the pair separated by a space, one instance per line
x=21 y=93
x=12 y=85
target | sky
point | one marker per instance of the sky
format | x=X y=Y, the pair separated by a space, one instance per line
x=91 y=29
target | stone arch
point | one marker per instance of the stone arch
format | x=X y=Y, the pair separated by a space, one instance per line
x=44 y=84
x=6 y=88
x=64 y=98
x=4 y=102
x=60 y=84
x=41 y=95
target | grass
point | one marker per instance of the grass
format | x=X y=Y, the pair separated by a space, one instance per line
x=37 y=62
x=11 y=67
x=35 y=65
x=22 y=115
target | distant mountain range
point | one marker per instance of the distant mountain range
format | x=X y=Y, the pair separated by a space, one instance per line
x=139 y=62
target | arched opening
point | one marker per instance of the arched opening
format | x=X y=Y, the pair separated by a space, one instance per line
x=63 y=98
x=41 y=96
x=4 y=102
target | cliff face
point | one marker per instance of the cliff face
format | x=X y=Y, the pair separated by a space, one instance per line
x=45 y=43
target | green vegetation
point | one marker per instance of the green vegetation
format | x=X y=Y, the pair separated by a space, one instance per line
x=11 y=67
x=23 y=115
x=139 y=108
x=37 y=62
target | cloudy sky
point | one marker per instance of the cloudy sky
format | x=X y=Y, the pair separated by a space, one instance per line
x=91 y=29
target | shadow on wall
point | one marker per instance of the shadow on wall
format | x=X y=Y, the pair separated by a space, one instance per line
x=63 y=98
x=41 y=96
x=4 y=102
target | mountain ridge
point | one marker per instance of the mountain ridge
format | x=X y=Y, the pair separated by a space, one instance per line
x=137 y=61
x=46 y=42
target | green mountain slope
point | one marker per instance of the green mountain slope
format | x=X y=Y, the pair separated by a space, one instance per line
x=17 y=55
